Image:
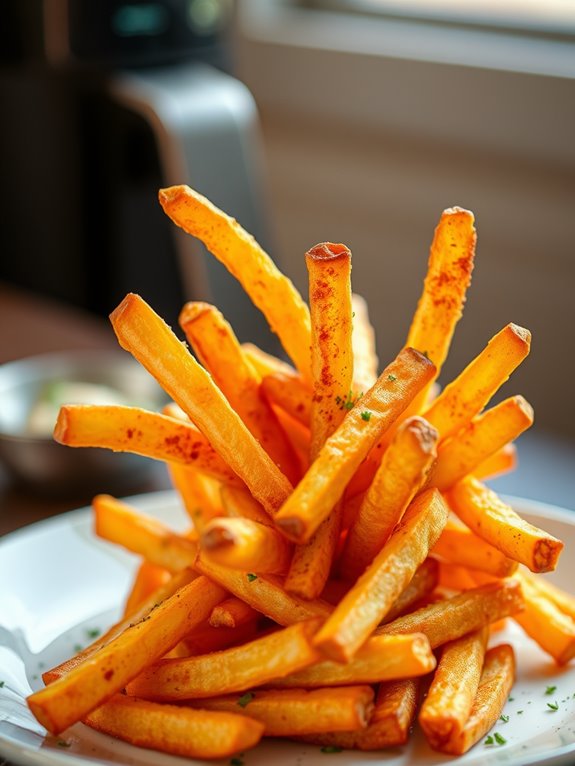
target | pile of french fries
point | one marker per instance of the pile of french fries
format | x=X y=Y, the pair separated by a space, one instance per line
x=345 y=564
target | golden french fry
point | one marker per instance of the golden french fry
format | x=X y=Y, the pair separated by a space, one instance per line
x=421 y=585
x=107 y=671
x=130 y=429
x=448 y=703
x=269 y=289
x=367 y=603
x=267 y=364
x=231 y=613
x=296 y=712
x=142 y=332
x=290 y=394
x=498 y=524
x=246 y=545
x=468 y=394
x=503 y=461
x=149 y=578
x=218 y=349
x=401 y=474
x=381 y=658
x=454 y=617
x=119 y=523
x=238 y=503
x=494 y=687
x=324 y=483
x=481 y=438
x=199 y=493
x=456 y=577
x=170 y=729
x=205 y=638
x=365 y=361
x=564 y=601
x=242 y=667
x=389 y=724
x=459 y=545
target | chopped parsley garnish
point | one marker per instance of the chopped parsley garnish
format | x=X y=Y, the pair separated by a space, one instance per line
x=331 y=749
x=520 y=712
x=554 y=706
x=78 y=648
x=550 y=689
x=365 y=415
x=504 y=718
x=2 y=684
x=348 y=402
x=499 y=739
x=93 y=632
x=245 y=699
x=391 y=377
x=251 y=576
x=489 y=740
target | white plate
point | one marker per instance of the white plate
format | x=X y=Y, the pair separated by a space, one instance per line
x=58 y=583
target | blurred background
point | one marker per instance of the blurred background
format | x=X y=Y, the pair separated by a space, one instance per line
x=346 y=120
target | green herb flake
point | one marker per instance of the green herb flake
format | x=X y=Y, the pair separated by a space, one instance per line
x=331 y=749
x=489 y=740
x=520 y=712
x=251 y=576
x=554 y=706
x=352 y=314
x=365 y=415
x=499 y=739
x=63 y=743
x=78 y=648
x=245 y=699
x=504 y=718
x=2 y=684
x=511 y=699
x=549 y=690
x=391 y=378
x=93 y=632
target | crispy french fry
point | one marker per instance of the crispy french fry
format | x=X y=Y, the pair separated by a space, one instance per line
x=459 y=545
x=231 y=613
x=242 y=667
x=498 y=524
x=503 y=461
x=324 y=483
x=149 y=578
x=365 y=361
x=269 y=289
x=246 y=545
x=264 y=593
x=205 y=638
x=199 y=493
x=494 y=687
x=400 y=656
x=218 y=349
x=290 y=394
x=238 y=503
x=179 y=731
x=107 y=671
x=466 y=396
x=119 y=523
x=563 y=600
x=450 y=698
x=367 y=603
x=456 y=577
x=480 y=439
x=390 y=722
x=296 y=712
x=130 y=429
x=401 y=474
x=142 y=332
x=267 y=364
x=454 y=617
x=420 y=586
x=545 y=623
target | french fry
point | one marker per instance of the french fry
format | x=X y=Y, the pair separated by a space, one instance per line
x=454 y=617
x=231 y=613
x=466 y=396
x=199 y=494
x=456 y=577
x=267 y=364
x=107 y=671
x=494 y=687
x=205 y=638
x=367 y=603
x=420 y=586
x=503 y=461
x=149 y=578
x=272 y=292
x=231 y=670
x=481 y=438
x=381 y=658
x=264 y=593
x=119 y=523
x=448 y=703
x=142 y=332
x=324 y=483
x=130 y=429
x=494 y=521
x=390 y=722
x=238 y=503
x=365 y=361
x=329 y=269
x=296 y=712
x=401 y=474
x=562 y=600
x=290 y=394
x=179 y=731
x=218 y=349
x=545 y=623
x=246 y=545
x=459 y=545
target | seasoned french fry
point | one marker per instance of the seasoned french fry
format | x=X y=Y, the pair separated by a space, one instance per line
x=246 y=545
x=199 y=493
x=454 y=617
x=130 y=429
x=264 y=593
x=545 y=623
x=296 y=712
x=120 y=523
x=179 y=731
x=238 y=503
x=481 y=438
x=365 y=361
x=421 y=585
x=323 y=485
x=494 y=687
x=381 y=658
x=242 y=667
x=367 y=603
x=401 y=474
x=450 y=698
x=498 y=524
x=503 y=461
x=205 y=638
x=107 y=671
x=466 y=396
x=218 y=349
x=231 y=613
x=456 y=577
x=390 y=722
x=290 y=394
x=142 y=332
x=267 y=364
x=459 y=545
x=149 y=578
x=269 y=289
x=563 y=600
